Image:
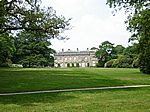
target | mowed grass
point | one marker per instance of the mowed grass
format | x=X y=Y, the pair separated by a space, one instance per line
x=116 y=100
x=18 y=79
x=113 y=100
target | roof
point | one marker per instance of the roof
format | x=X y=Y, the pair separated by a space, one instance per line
x=71 y=53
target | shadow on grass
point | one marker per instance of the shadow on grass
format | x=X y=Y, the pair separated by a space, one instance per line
x=33 y=99
x=32 y=80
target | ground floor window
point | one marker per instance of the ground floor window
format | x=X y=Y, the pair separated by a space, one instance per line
x=68 y=64
x=72 y=64
x=58 y=65
x=77 y=64
x=88 y=64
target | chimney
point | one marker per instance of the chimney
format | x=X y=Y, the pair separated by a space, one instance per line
x=62 y=50
x=77 y=49
x=87 y=49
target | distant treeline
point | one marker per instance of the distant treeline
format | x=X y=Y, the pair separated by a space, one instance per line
x=117 y=56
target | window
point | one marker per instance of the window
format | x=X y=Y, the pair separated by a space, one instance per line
x=88 y=64
x=72 y=65
x=65 y=59
x=86 y=58
x=58 y=65
x=77 y=65
x=68 y=64
x=70 y=58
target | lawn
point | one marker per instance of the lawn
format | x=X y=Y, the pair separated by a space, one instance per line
x=14 y=79
x=117 y=100
x=114 y=100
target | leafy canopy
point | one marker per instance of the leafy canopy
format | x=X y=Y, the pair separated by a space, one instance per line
x=20 y=15
x=138 y=24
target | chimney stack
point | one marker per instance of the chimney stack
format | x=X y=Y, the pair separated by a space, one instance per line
x=62 y=50
x=77 y=49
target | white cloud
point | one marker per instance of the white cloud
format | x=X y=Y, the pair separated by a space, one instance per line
x=93 y=23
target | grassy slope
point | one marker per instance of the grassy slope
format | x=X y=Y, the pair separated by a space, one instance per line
x=12 y=80
x=116 y=100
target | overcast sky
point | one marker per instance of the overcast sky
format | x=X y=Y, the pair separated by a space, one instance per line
x=93 y=23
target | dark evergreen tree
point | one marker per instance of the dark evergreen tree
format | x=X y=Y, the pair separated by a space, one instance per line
x=6 y=49
x=33 y=50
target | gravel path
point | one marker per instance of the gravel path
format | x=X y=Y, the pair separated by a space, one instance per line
x=71 y=90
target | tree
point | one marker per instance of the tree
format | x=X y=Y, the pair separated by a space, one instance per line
x=123 y=61
x=27 y=19
x=138 y=24
x=20 y=15
x=6 y=49
x=123 y=57
x=32 y=50
x=104 y=52
x=118 y=49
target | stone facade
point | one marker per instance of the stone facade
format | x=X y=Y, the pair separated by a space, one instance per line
x=75 y=59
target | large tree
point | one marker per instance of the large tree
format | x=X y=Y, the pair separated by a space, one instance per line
x=118 y=49
x=33 y=50
x=26 y=18
x=6 y=49
x=104 y=52
x=138 y=24
x=28 y=15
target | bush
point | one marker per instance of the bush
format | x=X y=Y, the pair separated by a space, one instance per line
x=110 y=63
x=123 y=61
x=100 y=64
x=135 y=63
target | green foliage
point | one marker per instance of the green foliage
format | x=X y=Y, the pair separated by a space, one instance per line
x=28 y=15
x=118 y=49
x=32 y=50
x=138 y=24
x=107 y=54
x=109 y=64
x=123 y=61
x=34 y=27
x=126 y=58
x=104 y=53
x=135 y=63
x=131 y=6
x=6 y=49
x=144 y=55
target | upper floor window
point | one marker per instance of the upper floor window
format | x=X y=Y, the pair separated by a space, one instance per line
x=75 y=58
x=66 y=59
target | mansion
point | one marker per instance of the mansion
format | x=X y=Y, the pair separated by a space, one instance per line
x=75 y=59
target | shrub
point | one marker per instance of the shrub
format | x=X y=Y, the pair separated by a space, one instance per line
x=123 y=61
x=135 y=63
x=110 y=63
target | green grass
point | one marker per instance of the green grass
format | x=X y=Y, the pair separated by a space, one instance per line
x=13 y=80
x=117 y=100
x=114 y=100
